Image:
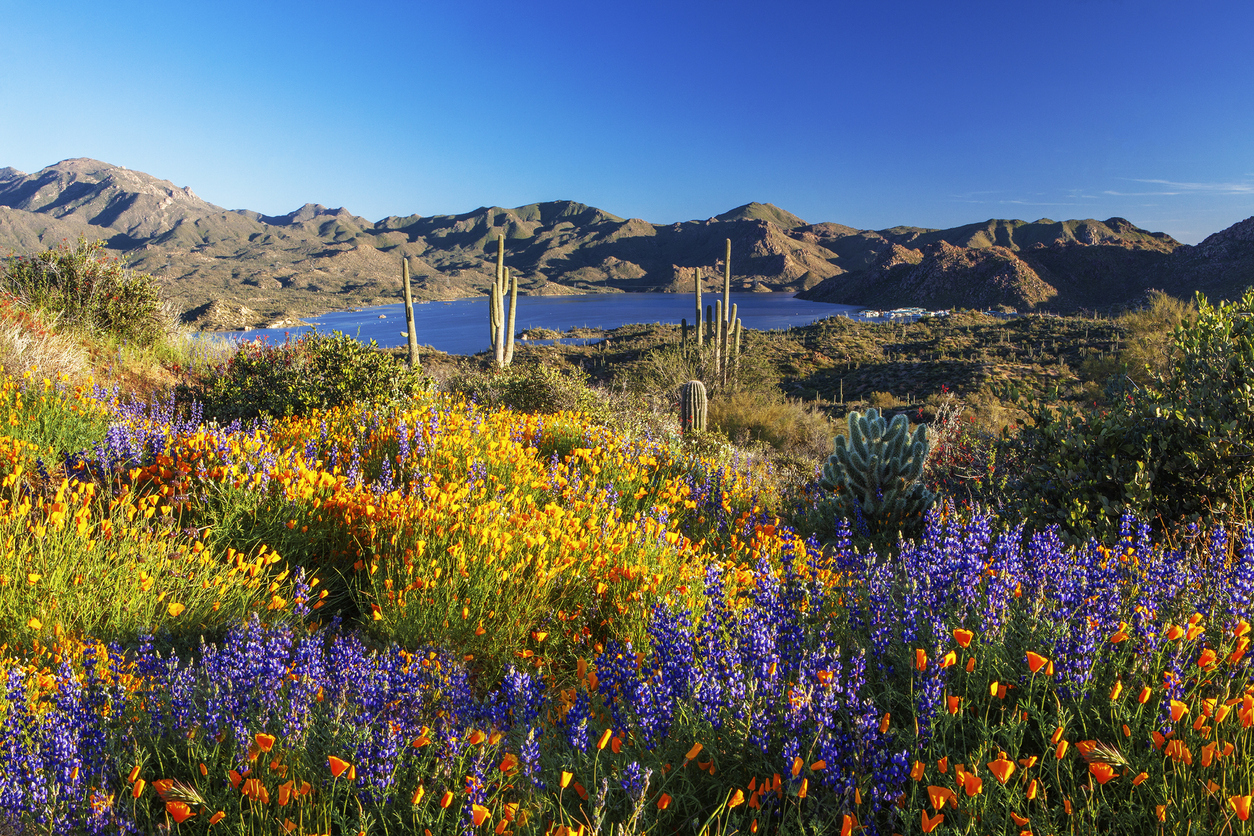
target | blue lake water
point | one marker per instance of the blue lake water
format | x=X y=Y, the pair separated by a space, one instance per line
x=461 y=326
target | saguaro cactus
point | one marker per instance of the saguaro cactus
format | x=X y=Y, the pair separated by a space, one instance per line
x=693 y=407
x=502 y=326
x=700 y=335
x=411 y=331
x=876 y=473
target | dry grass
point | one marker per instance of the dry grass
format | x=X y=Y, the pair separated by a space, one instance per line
x=29 y=345
x=792 y=428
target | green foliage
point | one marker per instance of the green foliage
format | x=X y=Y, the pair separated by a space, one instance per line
x=534 y=388
x=1149 y=342
x=763 y=416
x=312 y=372
x=87 y=289
x=1177 y=449
x=875 y=479
x=52 y=417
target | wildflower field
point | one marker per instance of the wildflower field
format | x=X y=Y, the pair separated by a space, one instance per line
x=437 y=618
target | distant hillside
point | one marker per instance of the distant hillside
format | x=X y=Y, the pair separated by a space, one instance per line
x=233 y=268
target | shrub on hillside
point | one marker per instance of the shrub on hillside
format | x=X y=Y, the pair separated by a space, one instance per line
x=532 y=388
x=298 y=376
x=1179 y=448
x=764 y=416
x=87 y=289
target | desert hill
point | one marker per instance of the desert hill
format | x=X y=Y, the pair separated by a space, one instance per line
x=232 y=268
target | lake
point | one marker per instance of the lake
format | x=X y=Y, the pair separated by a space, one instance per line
x=461 y=326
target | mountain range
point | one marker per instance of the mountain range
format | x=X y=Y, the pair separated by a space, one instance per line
x=228 y=268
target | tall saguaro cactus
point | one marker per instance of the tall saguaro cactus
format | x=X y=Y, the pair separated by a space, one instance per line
x=727 y=334
x=719 y=334
x=411 y=332
x=876 y=473
x=501 y=323
x=700 y=333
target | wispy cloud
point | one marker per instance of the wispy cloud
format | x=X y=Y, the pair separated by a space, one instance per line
x=1177 y=188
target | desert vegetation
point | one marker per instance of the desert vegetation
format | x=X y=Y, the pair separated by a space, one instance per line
x=301 y=588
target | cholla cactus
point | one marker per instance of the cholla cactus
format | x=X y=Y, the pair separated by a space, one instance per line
x=876 y=473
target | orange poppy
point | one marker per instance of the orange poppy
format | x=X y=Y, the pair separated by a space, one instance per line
x=1002 y=769
x=1103 y=772
x=265 y=742
x=930 y=824
x=1241 y=806
x=940 y=795
x=337 y=765
x=963 y=637
x=179 y=811
x=1035 y=661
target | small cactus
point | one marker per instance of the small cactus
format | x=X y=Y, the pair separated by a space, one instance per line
x=693 y=407
x=876 y=474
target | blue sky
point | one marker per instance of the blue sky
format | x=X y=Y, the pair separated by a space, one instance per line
x=871 y=114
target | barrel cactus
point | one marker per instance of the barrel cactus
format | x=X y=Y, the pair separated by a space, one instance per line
x=875 y=476
x=693 y=405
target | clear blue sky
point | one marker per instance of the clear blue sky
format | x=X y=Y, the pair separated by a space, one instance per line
x=871 y=114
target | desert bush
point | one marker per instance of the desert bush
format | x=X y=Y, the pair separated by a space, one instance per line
x=1150 y=345
x=883 y=400
x=298 y=376
x=969 y=460
x=789 y=427
x=87 y=289
x=1179 y=448
x=660 y=372
x=532 y=387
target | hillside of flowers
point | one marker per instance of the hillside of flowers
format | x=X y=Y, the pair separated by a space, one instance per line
x=433 y=617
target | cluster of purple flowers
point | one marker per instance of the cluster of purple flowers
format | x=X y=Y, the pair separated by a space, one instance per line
x=771 y=669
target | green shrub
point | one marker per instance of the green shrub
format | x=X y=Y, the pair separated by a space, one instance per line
x=87 y=289
x=533 y=388
x=765 y=416
x=315 y=371
x=1179 y=448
